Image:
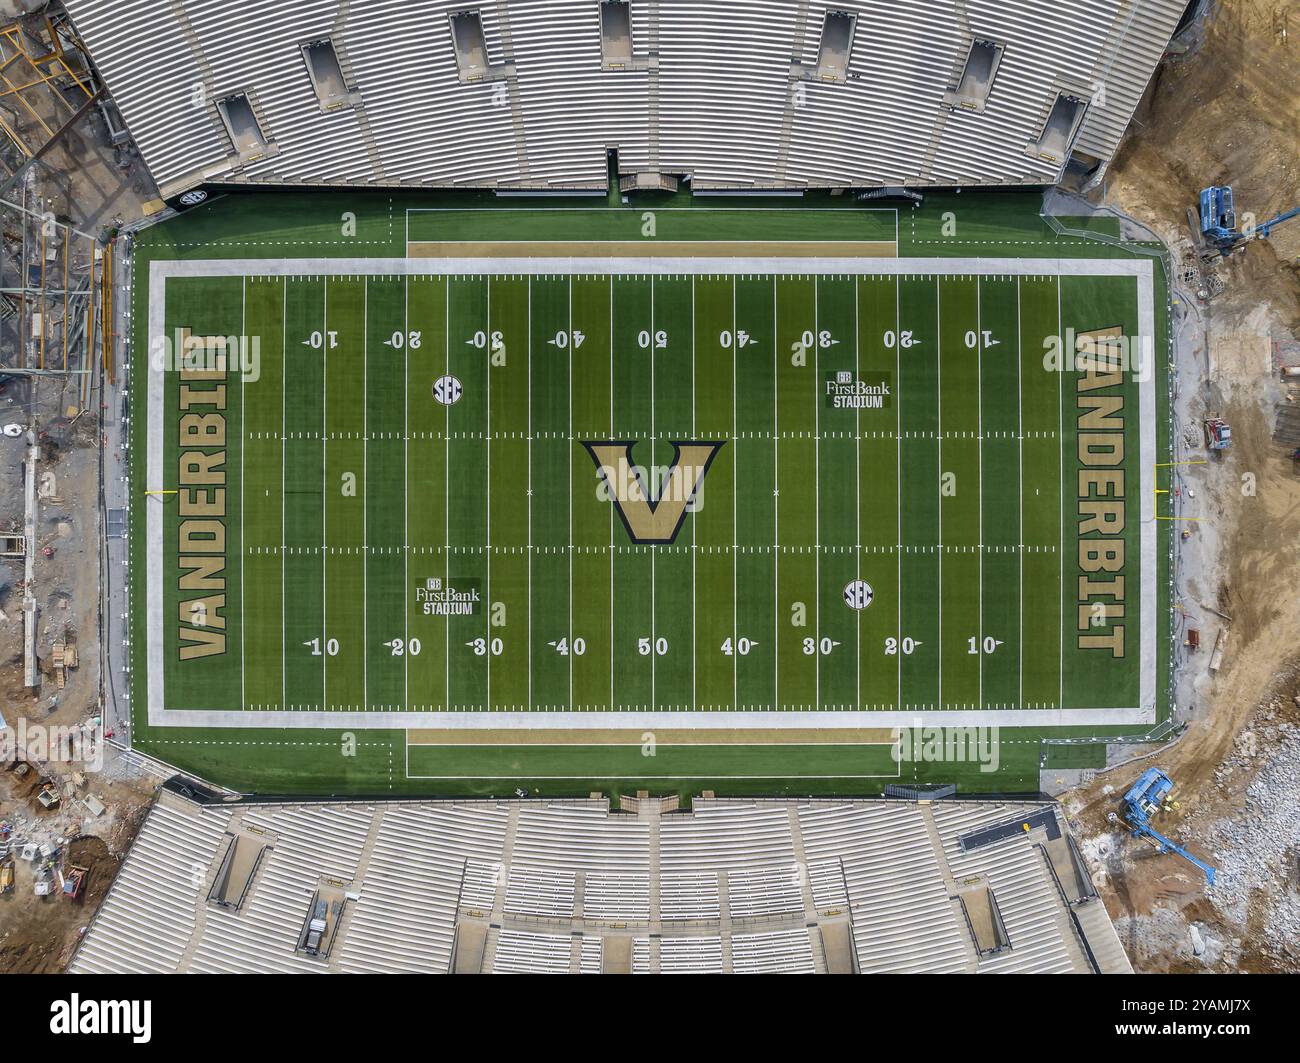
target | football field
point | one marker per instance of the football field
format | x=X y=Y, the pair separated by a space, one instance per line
x=803 y=487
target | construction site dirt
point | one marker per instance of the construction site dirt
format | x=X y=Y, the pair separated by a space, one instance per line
x=1227 y=111
x=89 y=182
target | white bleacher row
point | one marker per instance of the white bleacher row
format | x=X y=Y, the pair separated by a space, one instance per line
x=589 y=958
x=616 y=897
x=314 y=841
x=687 y=895
x=721 y=835
x=542 y=891
x=147 y=919
x=788 y=951
x=902 y=917
x=693 y=955
x=1018 y=875
x=405 y=919
x=581 y=837
x=721 y=104
x=407 y=866
x=770 y=890
x=518 y=952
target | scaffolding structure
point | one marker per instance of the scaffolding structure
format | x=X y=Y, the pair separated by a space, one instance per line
x=55 y=295
x=46 y=84
x=55 y=281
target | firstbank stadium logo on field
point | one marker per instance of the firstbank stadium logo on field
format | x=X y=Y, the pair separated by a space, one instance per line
x=652 y=503
x=844 y=391
x=437 y=597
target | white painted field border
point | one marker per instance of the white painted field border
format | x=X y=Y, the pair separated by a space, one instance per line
x=796 y=265
x=159 y=715
x=599 y=207
x=605 y=775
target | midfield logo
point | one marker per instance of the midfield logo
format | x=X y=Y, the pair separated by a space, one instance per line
x=652 y=517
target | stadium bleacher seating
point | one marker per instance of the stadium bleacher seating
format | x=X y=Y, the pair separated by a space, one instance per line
x=727 y=92
x=733 y=885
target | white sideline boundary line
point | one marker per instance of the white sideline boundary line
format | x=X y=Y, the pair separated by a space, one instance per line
x=160 y=272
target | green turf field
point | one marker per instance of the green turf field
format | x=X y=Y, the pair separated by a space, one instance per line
x=888 y=530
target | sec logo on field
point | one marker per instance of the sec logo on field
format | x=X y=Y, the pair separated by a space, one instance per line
x=858 y=594
x=447 y=390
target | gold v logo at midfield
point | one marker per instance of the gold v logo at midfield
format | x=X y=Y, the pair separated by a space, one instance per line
x=652 y=518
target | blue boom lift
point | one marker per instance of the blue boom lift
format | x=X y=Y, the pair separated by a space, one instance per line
x=1146 y=797
x=1219 y=221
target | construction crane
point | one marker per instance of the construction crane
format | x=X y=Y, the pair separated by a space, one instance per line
x=1147 y=797
x=1218 y=222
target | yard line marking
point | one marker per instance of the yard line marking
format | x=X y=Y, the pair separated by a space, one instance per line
x=735 y=531
x=243 y=544
x=817 y=494
x=284 y=346
x=365 y=496
x=1020 y=457
x=446 y=486
x=776 y=509
x=487 y=494
x=938 y=403
x=979 y=376
x=529 y=422
x=613 y=705
x=695 y=626
x=654 y=704
x=568 y=460
x=1060 y=420
x=857 y=480
x=324 y=464
x=898 y=472
x=406 y=492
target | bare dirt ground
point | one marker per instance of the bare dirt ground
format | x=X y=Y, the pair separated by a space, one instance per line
x=1227 y=112
x=39 y=933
